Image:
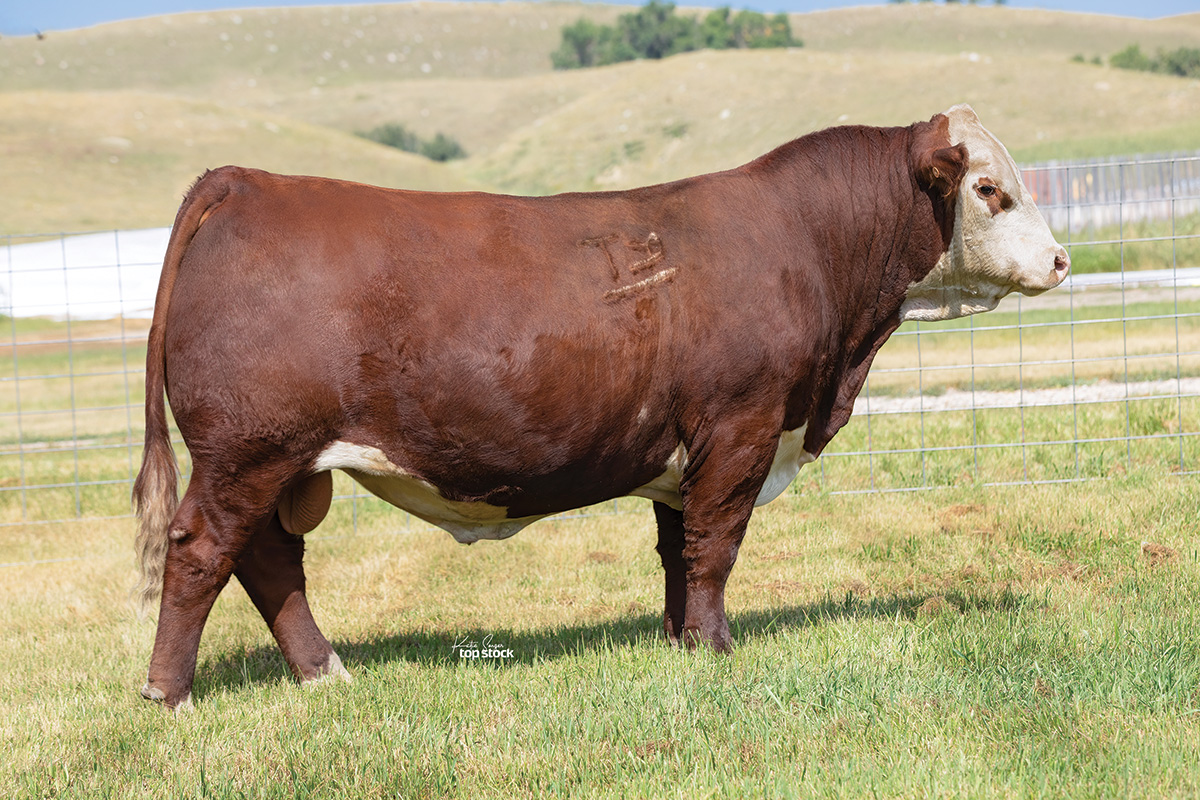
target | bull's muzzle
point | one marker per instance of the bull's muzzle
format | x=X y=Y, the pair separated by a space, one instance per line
x=1042 y=281
x=1062 y=264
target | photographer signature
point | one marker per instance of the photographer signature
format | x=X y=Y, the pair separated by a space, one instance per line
x=487 y=648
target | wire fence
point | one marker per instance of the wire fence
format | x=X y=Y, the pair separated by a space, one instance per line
x=1093 y=379
x=1090 y=193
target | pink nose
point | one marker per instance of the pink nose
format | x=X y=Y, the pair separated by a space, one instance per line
x=1062 y=264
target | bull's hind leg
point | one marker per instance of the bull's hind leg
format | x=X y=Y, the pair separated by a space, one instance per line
x=205 y=542
x=271 y=570
x=670 y=550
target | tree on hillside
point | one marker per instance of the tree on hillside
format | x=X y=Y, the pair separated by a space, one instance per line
x=586 y=44
x=715 y=30
x=755 y=30
x=654 y=31
x=1183 y=61
x=721 y=29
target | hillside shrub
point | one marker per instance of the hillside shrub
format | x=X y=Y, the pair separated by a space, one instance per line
x=1182 y=61
x=654 y=31
x=440 y=148
x=1131 y=57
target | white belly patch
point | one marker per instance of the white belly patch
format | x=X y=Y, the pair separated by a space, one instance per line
x=467 y=522
x=790 y=456
x=665 y=488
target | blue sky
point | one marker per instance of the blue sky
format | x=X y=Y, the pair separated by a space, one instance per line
x=21 y=17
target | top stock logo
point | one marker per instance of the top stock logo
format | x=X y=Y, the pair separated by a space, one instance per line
x=477 y=649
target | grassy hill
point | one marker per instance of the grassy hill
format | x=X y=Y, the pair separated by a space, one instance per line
x=1010 y=33
x=106 y=126
x=694 y=113
x=99 y=160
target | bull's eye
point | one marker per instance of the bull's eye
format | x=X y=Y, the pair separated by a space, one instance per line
x=997 y=199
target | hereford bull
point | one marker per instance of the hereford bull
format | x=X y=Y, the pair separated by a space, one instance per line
x=485 y=361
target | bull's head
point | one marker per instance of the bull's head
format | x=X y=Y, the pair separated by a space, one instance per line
x=1000 y=242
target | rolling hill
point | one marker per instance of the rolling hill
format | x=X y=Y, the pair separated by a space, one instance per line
x=105 y=127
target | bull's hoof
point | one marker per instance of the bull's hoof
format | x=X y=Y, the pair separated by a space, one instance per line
x=671 y=629
x=694 y=639
x=156 y=695
x=332 y=672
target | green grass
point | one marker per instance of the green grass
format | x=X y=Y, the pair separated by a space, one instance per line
x=1002 y=445
x=1168 y=244
x=970 y=642
x=1179 y=138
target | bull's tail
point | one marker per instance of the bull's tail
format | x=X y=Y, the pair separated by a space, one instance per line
x=156 y=490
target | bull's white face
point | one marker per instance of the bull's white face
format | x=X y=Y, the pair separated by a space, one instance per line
x=1001 y=242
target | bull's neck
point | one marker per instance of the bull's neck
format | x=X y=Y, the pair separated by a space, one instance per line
x=869 y=231
x=852 y=196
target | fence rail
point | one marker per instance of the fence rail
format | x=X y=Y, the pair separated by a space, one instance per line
x=1097 y=377
x=1075 y=195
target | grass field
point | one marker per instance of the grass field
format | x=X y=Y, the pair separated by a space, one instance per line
x=106 y=126
x=982 y=642
x=1135 y=245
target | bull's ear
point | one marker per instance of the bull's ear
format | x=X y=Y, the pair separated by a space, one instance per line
x=937 y=164
x=942 y=169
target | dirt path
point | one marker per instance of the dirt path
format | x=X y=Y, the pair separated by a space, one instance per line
x=958 y=400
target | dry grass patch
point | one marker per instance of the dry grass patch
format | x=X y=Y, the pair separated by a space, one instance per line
x=283 y=89
x=95 y=161
x=692 y=113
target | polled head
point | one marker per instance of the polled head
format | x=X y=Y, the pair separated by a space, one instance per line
x=1000 y=243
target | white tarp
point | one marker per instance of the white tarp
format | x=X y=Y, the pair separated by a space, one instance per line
x=89 y=276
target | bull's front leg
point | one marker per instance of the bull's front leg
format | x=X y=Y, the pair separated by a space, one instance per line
x=710 y=553
x=718 y=499
x=670 y=550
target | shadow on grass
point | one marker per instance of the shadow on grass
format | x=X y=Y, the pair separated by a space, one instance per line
x=264 y=664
